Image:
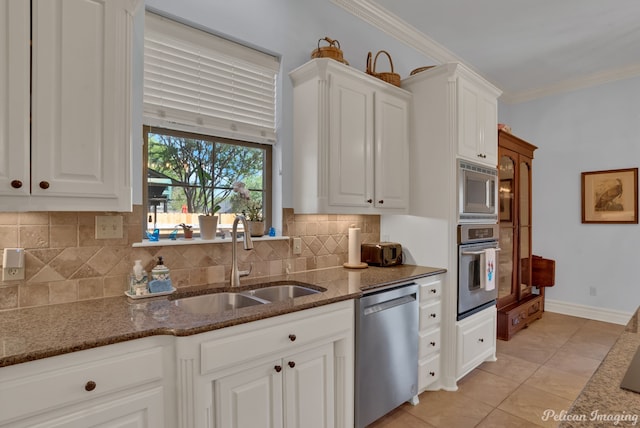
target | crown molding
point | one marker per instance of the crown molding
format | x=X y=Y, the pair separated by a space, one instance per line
x=383 y=20
x=389 y=23
x=573 y=84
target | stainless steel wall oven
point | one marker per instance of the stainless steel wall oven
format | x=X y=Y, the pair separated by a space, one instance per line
x=473 y=241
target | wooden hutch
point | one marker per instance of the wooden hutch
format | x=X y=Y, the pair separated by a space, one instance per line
x=519 y=271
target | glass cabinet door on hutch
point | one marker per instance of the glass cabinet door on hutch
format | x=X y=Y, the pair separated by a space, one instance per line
x=518 y=304
x=507 y=293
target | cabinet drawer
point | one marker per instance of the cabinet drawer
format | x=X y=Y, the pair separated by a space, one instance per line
x=476 y=340
x=429 y=343
x=261 y=338
x=428 y=371
x=430 y=315
x=71 y=379
x=431 y=290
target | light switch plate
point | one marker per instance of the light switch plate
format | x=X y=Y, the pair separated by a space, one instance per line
x=297 y=245
x=108 y=227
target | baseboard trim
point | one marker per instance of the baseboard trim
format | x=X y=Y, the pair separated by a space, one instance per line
x=589 y=312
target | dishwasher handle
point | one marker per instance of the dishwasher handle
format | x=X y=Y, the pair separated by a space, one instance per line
x=388 y=304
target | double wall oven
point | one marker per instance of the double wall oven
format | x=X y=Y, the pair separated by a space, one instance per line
x=473 y=242
x=477 y=232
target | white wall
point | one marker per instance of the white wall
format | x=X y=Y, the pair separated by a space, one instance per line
x=588 y=130
x=289 y=29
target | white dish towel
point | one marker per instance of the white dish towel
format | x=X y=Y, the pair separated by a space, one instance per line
x=488 y=262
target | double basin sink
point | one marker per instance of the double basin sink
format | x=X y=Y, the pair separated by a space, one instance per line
x=227 y=301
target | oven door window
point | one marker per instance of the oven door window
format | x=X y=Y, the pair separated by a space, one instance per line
x=473 y=279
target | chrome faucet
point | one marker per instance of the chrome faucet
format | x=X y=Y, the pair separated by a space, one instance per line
x=248 y=245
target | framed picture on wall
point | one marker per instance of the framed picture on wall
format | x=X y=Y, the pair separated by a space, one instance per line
x=610 y=196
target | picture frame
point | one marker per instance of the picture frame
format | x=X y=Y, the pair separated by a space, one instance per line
x=506 y=193
x=610 y=196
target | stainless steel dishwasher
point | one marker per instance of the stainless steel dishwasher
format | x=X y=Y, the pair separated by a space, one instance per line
x=386 y=351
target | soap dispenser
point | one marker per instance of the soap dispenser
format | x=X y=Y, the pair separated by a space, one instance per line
x=161 y=281
x=138 y=280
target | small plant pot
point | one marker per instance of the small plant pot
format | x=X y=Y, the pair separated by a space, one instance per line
x=208 y=226
x=188 y=233
x=256 y=228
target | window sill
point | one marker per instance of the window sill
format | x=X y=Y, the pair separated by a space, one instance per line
x=197 y=241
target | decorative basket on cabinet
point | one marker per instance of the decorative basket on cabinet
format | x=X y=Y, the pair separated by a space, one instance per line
x=389 y=77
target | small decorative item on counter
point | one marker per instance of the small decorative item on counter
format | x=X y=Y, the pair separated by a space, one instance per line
x=187 y=229
x=389 y=77
x=138 y=280
x=160 y=279
x=272 y=231
x=332 y=51
x=154 y=236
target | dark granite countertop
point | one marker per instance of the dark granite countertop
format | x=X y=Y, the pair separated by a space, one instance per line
x=33 y=333
x=602 y=403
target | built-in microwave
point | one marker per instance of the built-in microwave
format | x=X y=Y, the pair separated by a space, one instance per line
x=477 y=193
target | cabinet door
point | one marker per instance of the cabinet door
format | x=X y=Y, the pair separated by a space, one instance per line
x=309 y=388
x=489 y=124
x=391 y=152
x=350 y=143
x=251 y=398
x=478 y=127
x=14 y=98
x=469 y=130
x=80 y=101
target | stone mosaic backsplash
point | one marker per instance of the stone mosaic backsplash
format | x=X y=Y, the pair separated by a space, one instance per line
x=65 y=263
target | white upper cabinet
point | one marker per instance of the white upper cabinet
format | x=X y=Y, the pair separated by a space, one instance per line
x=80 y=139
x=14 y=99
x=478 y=125
x=351 y=142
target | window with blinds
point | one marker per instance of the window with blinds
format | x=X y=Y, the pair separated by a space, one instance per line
x=198 y=82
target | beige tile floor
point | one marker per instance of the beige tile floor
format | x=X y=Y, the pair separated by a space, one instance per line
x=542 y=367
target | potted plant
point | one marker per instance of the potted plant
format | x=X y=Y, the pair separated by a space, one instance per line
x=209 y=223
x=252 y=210
x=187 y=229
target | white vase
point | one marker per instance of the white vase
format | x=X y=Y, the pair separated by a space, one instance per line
x=208 y=226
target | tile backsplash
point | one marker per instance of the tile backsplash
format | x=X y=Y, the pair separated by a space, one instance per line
x=65 y=263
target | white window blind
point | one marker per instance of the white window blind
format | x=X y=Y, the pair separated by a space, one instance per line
x=197 y=81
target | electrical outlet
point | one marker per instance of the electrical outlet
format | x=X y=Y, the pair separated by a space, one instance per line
x=109 y=227
x=297 y=245
x=12 y=274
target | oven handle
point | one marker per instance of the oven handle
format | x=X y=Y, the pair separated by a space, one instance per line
x=476 y=253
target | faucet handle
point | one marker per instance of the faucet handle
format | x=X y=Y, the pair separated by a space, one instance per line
x=246 y=272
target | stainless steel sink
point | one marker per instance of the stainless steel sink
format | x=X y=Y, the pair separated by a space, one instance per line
x=216 y=302
x=278 y=293
x=227 y=301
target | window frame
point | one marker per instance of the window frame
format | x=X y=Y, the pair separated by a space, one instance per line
x=267 y=170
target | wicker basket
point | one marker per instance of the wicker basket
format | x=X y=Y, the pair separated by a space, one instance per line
x=389 y=77
x=420 y=69
x=332 y=51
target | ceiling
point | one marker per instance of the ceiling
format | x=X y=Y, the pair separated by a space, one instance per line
x=527 y=48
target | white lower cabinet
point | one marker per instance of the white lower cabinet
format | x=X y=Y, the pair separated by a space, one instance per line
x=122 y=385
x=429 y=332
x=476 y=340
x=294 y=370
x=295 y=391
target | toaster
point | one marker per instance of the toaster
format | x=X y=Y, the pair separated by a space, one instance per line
x=381 y=253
